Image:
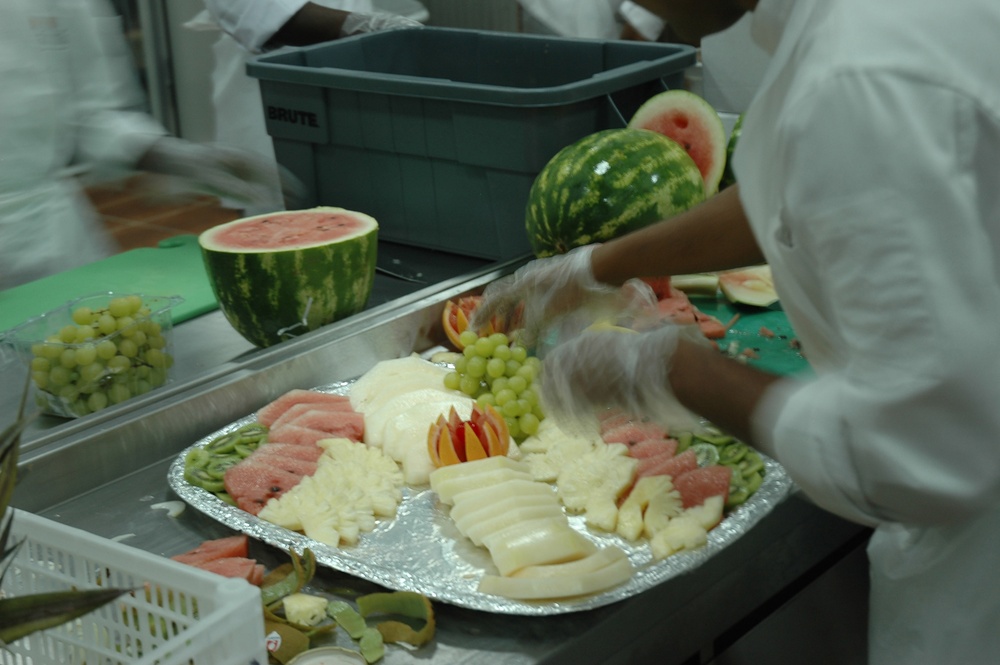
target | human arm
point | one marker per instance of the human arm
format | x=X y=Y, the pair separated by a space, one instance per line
x=690 y=20
x=714 y=235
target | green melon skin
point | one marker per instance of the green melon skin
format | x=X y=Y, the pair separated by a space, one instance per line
x=691 y=121
x=608 y=184
x=266 y=294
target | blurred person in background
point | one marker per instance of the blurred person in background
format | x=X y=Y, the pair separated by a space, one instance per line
x=251 y=27
x=868 y=170
x=593 y=19
x=68 y=109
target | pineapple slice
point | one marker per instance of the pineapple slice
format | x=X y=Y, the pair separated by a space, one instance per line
x=604 y=473
x=681 y=533
x=304 y=609
x=662 y=508
x=630 y=514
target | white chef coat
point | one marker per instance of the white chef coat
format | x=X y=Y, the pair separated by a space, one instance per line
x=239 y=113
x=869 y=166
x=63 y=65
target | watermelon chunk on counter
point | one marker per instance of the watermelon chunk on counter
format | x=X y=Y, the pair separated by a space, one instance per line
x=236 y=567
x=698 y=484
x=220 y=548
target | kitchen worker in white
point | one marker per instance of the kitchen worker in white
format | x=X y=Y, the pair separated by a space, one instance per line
x=63 y=70
x=251 y=27
x=595 y=19
x=868 y=168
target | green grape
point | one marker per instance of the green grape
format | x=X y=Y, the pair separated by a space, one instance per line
x=142 y=387
x=135 y=304
x=68 y=393
x=97 y=401
x=126 y=325
x=499 y=338
x=83 y=316
x=107 y=324
x=486 y=399
x=534 y=362
x=151 y=327
x=59 y=376
x=119 y=364
x=67 y=334
x=530 y=396
x=461 y=364
x=106 y=349
x=511 y=408
x=128 y=348
x=468 y=338
x=120 y=307
x=512 y=367
x=143 y=371
x=91 y=372
x=85 y=333
x=469 y=386
x=139 y=338
x=518 y=353
x=495 y=368
x=40 y=364
x=499 y=385
x=484 y=347
x=157 y=377
x=156 y=340
x=67 y=358
x=513 y=426
x=529 y=423
x=517 y=383
x=476 y=368
x=86 y=354
x=168 y=361
x=118 y=393
x=528 y=372
x=501 y=351
x=451 y=380
x=469 y=351
x=41 y=379
x=504 y=396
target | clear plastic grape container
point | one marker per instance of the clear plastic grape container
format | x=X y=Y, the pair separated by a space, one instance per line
x=96 y=351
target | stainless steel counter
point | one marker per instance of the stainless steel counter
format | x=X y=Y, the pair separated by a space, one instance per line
x=106 y=474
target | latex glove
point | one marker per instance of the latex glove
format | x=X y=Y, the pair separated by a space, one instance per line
x=621 y=370
x=559 y=297
x=196 y=168
x=356 y=24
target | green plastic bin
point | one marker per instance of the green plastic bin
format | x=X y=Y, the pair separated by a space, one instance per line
x=439 y=133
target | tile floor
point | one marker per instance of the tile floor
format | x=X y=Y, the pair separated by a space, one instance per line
x=137 y=219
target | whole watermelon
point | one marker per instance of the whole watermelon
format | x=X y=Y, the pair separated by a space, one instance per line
x=608 y=184
x=283 y=274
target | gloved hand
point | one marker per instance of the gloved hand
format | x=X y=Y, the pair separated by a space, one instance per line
x=196 y=168
x=559 y=291
x=355 y=24
x=611 y=369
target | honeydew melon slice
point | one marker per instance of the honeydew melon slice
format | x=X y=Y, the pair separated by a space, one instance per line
x=473 y=467
x=448 y=488
x=478 y=530
x=749 y=286
x=536 y=542
x=467 y=512
x=484 y=496
x=548 y=587
x=390 y=378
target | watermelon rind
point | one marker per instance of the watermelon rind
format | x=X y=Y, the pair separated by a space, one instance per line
x=694 y=123
x=607 y=184
x=271 y=295
x=728 y=175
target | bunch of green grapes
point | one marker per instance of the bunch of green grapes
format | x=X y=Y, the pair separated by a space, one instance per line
x=104 y=357
x=498 y=372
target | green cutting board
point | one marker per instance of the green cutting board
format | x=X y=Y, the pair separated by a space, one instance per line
x=174 y=268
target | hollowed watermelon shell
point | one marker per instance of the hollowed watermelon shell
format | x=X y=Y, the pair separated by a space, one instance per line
x=283 y=274
x=608 y=184
x=694 y=123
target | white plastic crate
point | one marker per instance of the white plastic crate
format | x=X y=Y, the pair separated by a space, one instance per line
x=179 y=615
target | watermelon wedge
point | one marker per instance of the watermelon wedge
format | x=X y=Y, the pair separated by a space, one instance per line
x=693 y=123
x=220 y=548
x=281 y=275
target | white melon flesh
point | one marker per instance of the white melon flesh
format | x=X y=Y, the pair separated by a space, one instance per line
x=478 y=530
x=536 y=542
x=448 y=488
x=390 y=378
x=558 y=586
x=749 y=286
x=483 y=509
x=484 y=496
x=473 y=467
x=378 y=421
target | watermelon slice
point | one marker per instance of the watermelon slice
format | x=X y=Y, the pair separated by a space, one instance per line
x=267 y=415
x=346 y=424
x=653 y=448
x=303 y=452
x=692 y=122
x=284 y=274
x=298 y=435
x=220 y=548
x=253 y=485
x=698 y=484
x=297 y=410
x=674 y=466
x=237 y=567
x=634 y=432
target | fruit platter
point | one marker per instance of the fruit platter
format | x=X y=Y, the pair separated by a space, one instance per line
x=437 y=473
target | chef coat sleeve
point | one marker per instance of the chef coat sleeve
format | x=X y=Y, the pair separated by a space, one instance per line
x=253 y=23
x=113 y=128
x=891 y=196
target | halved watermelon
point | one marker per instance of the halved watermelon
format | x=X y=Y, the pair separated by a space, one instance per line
x=692 y=122
x=283 y=274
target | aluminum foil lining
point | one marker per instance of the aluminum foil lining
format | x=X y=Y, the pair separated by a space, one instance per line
x=421 y=550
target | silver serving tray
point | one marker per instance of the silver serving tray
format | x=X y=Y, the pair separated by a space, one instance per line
x=421 y=550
